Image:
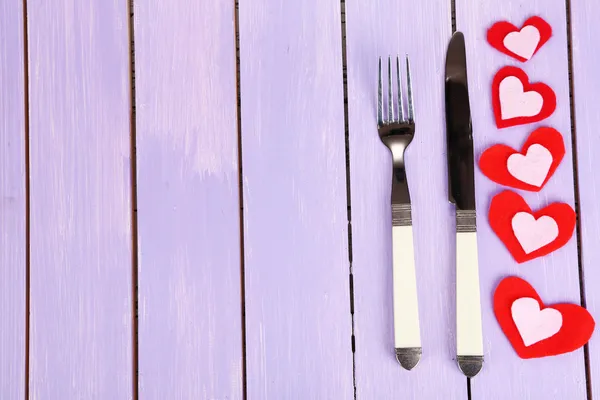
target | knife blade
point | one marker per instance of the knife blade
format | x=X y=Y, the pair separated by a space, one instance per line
x=461 y=192
x=458 y=127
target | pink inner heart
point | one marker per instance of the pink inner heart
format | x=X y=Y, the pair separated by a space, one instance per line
x=533 y=167
x=533 y=324
x=515 y=102
x=524 y=42
x=533 y=234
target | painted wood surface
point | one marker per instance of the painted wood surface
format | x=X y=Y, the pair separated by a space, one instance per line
x=298 y=324
x=297 y=295
x=421 y=30
x=586 y=97
x=12 y=211
x=81 y=269
x=555 y=277
x=190 y=333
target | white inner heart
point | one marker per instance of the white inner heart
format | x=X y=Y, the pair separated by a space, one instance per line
x=524 y=42
x=533 y=233
x=533 y=167
x=533 y=324
x=514 y=102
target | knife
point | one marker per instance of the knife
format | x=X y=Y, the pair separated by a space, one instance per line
x=461 y=193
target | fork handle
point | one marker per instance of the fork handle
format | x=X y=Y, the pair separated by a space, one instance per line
x=407 y=336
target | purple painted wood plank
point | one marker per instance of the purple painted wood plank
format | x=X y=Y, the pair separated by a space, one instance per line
x=12 y=211
x=586 y=97
x=422 y=30
x=81 y=287
x=190 y=333
x=298 y=322
x=556 y=278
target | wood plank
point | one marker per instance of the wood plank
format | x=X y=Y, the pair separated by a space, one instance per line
x=422 y=30
x=81 y=268
x=190 y=333
x=556 y=276
x=298 y=318
x=586 y=92
x=12 y=212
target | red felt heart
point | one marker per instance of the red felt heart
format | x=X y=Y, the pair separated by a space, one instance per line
x=494 y=160
x=519 y=102
x=502 y=216
x=515 y=42
x=576 y=329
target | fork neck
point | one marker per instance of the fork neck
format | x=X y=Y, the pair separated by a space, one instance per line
x=400 y=194
x=401 y=209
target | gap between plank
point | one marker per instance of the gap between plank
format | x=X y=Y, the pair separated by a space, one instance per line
x=27 y=198
x=241 y=196
x=469 y=388
x=348 y=192
x=453 y=19
x=134 y=205
x=586 y=352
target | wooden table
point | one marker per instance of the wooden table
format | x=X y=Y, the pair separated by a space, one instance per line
x=161 y=239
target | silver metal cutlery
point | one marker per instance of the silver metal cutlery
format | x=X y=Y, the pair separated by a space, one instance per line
x=461 y=192
x=396 y=132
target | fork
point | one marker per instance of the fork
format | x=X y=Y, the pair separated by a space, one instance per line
x=397 y=134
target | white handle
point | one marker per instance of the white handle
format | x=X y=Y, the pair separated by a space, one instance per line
x=469 y=336
x=406 y=310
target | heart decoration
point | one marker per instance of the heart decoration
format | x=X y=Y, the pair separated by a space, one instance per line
x=528 y=169
x=521 y=43
x=518 y=102
x=535 y=330
x=527 y=234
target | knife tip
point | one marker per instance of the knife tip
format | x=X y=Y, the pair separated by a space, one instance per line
x=470 y=365
x=408 y=357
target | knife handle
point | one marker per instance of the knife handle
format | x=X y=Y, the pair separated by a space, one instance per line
x=469 y=336
x=407 y=335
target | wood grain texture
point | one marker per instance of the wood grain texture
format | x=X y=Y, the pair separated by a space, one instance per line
x=555 y=277
x=81 y=286
x=12 y=209
x=190 y=334
x=586 y=97
x=298 y=322
x=422 y=30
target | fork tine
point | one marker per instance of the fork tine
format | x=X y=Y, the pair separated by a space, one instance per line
x=390 y=94
x=379 y=98
x=411 y=108
x=399 y=89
